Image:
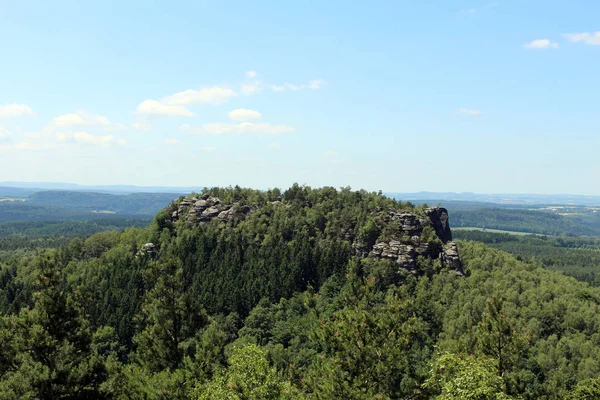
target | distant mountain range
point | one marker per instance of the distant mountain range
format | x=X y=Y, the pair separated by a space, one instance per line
x=32 y=187
x=500 y=198
x=25 y=189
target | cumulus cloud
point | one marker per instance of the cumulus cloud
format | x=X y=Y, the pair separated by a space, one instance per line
x=469 y=112
x=153 y=108
x=251 y=74
x=89 y=139
x=172 y=142
x=211 y=95
x=83 y=118
x=15 y=110
x=175 y=104
x=243 y=115
x=244 y=128
x=541 y=44
x=591 y=38
x=278 y=88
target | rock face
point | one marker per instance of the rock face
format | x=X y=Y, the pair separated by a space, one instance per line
x=450 y=258
x=439 y=219
x=407 y=243
x=203 y=209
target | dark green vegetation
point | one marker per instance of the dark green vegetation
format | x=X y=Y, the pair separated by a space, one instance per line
x=276 y=306
x=576 y=257
x=531 y=221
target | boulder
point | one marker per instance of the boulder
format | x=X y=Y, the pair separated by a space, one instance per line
x=148 y=250
x=209 y=214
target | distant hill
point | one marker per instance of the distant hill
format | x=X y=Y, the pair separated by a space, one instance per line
x=501 y=198
x=114 y=189
x=134 y=203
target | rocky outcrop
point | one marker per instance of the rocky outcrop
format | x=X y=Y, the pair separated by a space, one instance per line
x=148 y=250
x=439 y=219
x=451 y=259
x=203 y=209
x=403 y=254
x=406 y=243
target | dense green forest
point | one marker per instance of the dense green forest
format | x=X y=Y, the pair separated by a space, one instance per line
x=280 y=297
x=531 y=221
x=575 y=256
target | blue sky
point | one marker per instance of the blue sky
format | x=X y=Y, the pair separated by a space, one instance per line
x=401 y=96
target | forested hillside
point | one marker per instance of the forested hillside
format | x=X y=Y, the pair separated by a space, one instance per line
x=575 y=256
x=529 y=221
x=305 y=294
x=134 y=203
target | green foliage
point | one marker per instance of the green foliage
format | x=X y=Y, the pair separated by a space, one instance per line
x=469 y=378
x=248 y=377
x=522 y=220
x=576 y=257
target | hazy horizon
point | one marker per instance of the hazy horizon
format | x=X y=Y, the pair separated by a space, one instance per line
x=50 y=184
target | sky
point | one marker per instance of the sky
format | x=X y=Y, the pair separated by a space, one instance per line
x=399 y=96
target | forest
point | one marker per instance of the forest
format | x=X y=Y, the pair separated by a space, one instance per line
x=279 y=301
x=530 y=221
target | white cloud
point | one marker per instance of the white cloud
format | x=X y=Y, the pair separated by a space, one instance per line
x=15 y=110
x=141 y=126
x=153 y=108
x=293 y=87
x=592 y=38
x=174 y=105
x=172 y=141
x=209 y=148
x=330 y=154
x=274 y=146
x=251 y=74
x=83 y=118
x=244 y=128
x=4 y=133
x=211 y=95
x=541 y=44
x=251 y=88
x=89 y=139
x=278 y=88
x=243 y=115
x=469 y=112
x=314 y=84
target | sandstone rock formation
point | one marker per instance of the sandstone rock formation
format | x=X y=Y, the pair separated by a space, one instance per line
x=409 y=235
x=407 y=242
x=148 y=250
